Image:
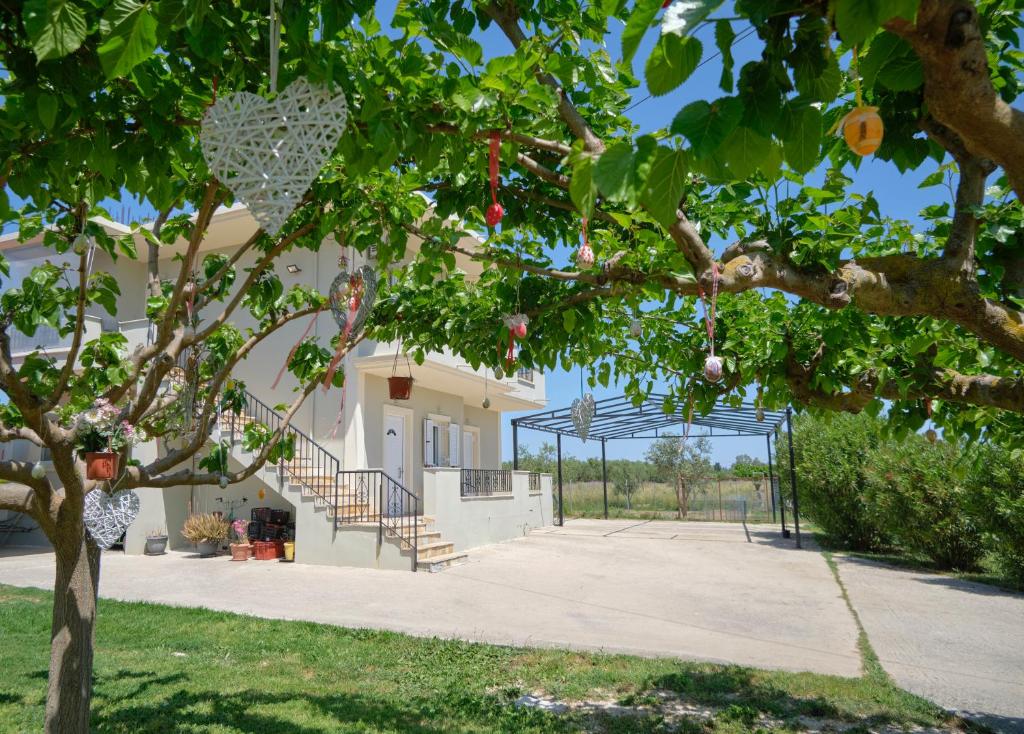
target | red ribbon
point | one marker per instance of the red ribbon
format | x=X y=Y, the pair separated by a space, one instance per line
x=493 y=165
x=709 y=313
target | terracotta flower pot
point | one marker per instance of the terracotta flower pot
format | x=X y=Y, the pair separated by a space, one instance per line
x=399 y=387
x=100 y=464
x=239 y=552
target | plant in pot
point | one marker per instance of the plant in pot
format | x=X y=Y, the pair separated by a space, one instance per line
x=156 y=542
x=206 y=531
x=240 y=548
x=101 y=437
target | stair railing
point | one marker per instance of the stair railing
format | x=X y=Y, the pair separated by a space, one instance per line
x=371 y=495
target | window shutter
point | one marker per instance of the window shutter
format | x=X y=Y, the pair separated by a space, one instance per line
x=454 y=444
x=428 y=442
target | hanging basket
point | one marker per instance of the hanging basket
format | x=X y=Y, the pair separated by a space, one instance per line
x=400 y=386
x=100 y=464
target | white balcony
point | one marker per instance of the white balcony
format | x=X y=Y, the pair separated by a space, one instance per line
x=48 y=340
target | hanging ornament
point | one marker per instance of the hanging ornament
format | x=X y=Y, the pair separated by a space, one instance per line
x=930 y=434
x=269 y=152
x=261 y=494
x=636 y=328
x=223 y=481
x=759 y=410
x=499 y=373
x=585 y=255
x=582 y=413
x=516 y=324
x=352 y=298
x=487 y=401
x=713 y=367
x=107 y=516
x=38 y=470
x=494 y=212
x=863 y=130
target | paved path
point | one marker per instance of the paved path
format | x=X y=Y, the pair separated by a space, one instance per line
x=956 y=643
x=698 y=591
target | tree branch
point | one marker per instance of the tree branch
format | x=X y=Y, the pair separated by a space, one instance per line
x=529 y=141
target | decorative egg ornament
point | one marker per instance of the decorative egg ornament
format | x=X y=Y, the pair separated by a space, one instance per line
x=931 y=435
x=636 y=328
x=863 y=130
x=261 y=494
x=486 y=403
x=585 y=256
x=223 y=481
x=494 y=214
x=499 y=373
x=713 y=368
x=38 y=471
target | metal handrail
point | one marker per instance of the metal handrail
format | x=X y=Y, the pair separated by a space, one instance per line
x=368 y=495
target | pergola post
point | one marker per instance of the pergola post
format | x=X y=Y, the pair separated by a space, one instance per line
x=561 y=515
x=771 y=474
x=792 y=475
x=604 y=477
x=515 y=445
x=782 y=501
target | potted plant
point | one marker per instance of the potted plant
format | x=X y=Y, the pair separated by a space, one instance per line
x=400 y=386
x=101 y=435
x=206 y=531
x=156 y=542
x=240 y=548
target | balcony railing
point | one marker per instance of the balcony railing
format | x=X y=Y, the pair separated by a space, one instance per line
x=534 y=484
x=525 y=374
x=486 y=482
x=48 y=339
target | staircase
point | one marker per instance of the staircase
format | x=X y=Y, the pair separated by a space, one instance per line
x=351 y=499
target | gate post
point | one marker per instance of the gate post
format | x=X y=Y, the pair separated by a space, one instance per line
x=792 y=475
x=561 y=515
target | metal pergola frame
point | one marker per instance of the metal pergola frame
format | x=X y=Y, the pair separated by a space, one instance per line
x=618 y=418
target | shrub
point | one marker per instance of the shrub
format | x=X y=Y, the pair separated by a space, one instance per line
x=918 y=493
x=831 y=457
x=997 y=502
x=204 y=527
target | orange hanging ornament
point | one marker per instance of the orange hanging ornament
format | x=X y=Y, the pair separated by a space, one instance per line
x=863 y=129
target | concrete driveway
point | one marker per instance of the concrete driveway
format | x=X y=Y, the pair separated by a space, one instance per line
x=956 y=643
x=697 y=591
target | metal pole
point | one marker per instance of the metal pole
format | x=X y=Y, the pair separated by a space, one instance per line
x=604 y=477
x=771 y=474
x=792 y=475
x=515 y=445
x=561 y=516
x=782 y=502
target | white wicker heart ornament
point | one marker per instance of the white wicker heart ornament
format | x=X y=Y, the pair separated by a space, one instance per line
x=582 y=412
x=269 y=152
x=107 y=516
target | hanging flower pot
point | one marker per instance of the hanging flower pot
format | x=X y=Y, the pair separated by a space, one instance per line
x=100 y=464
x=400 y=386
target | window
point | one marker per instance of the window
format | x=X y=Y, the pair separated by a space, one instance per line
x=525 y=374
x=442 y=441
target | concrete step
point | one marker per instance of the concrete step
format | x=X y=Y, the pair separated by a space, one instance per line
x=434 y=549
x=440 y=563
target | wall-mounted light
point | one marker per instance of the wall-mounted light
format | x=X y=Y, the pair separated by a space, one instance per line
x=293 y=268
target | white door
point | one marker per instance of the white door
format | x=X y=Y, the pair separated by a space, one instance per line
x=469 y=450
x=394 y=447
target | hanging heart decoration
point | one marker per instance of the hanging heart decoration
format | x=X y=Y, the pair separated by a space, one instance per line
x=582 y=413
x=585 y=255
x=713 y=366
x=107 y=516
x=352 y=298
x=269 y=152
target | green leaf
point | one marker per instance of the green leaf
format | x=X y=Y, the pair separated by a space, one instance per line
x=891 y=62
x=856 y=19
x=639 y=21
x=707 y=125
x=665 y=184
x=582 y=187
x=744 y=151
x=569 y=320
x=128 y=31
x=724 y=38
x=55 y=27
x=802 y=144
x=46 y=105
x=671 y=62
x=683 y=16
x=614 y=173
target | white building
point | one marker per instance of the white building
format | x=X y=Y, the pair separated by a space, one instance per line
x=375 y=482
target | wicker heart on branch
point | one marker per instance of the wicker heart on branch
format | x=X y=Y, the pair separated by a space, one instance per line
x=107 y=516
x=582 y=412
x=361 y=285
x=269 y=152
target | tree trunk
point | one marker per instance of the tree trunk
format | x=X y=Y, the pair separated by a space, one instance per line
x=71 y=638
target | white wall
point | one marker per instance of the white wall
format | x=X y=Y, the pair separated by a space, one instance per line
x=469 y=522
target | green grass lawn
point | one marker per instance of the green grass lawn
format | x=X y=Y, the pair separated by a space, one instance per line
x=165 y=669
